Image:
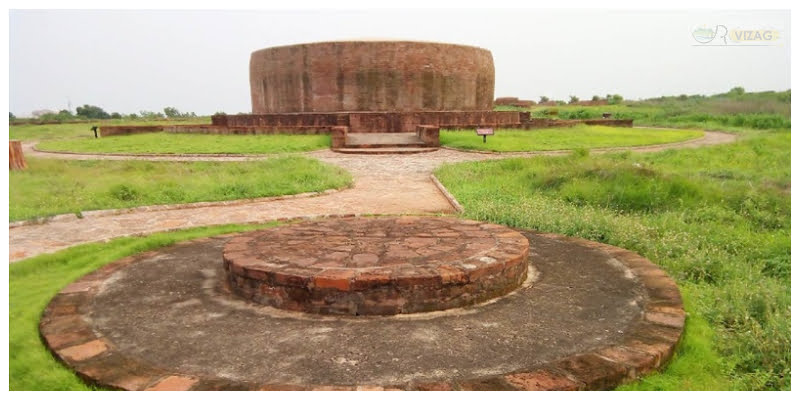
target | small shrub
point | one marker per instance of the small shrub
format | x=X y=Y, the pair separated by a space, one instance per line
x=580 y=152
x=124 y=192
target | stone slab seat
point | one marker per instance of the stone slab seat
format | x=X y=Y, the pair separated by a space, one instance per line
x=378 y=140
x=426 y=138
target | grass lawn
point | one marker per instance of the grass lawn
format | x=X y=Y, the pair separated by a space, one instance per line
x=187 y=143
x=48 y=187
x=717 y=219
x=33 y=282
x=581 y=136
x=82 y=129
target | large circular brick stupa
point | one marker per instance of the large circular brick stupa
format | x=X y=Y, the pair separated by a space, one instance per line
x=371 y=75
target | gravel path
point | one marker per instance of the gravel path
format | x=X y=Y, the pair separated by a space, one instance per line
x=384 y=184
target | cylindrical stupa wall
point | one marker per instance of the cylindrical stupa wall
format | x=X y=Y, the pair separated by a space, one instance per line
x=371 y=76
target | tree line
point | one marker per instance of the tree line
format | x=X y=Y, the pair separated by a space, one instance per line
x=91 y=112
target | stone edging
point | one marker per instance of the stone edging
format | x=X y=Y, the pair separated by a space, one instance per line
x=647 y=346
x=591 y=150
x=165 y=207
x=165 y=155
x=450 y=198
x=348 y=150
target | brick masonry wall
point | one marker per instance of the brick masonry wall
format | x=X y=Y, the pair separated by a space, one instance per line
x=376 y=122
x=371 y=76
x=111 y=130
x=251 y=130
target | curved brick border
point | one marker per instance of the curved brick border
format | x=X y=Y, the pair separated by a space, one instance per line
x=163 y=207
x=594 y=150
x=186 y=155
x=648 y=345
x=599 y=150
x=414 y=265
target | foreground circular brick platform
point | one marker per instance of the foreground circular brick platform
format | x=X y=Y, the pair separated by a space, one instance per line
x=376 y=266
x=589 y=316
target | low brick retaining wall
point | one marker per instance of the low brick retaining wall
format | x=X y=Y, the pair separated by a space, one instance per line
x=374 y=122
x=362 y=122
x=113 y=130
x=251 y=130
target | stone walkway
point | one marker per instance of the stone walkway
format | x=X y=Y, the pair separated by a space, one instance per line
x=384 y=184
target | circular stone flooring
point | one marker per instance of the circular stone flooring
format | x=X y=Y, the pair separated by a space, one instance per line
x=376 y=266
x=588 y=316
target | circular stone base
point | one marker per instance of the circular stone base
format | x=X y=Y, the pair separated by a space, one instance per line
x=376 y=266
x=590 y=316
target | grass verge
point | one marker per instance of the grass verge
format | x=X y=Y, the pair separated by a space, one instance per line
x=83 y=129
x=717 y=219
x=187 y=143
x=33 y=282
x=49 y=187
x=580 y=136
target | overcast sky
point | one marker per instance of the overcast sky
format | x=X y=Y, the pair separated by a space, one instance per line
x=128 y=61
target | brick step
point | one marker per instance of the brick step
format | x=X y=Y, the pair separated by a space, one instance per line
x=385 y=150
x=382 y=140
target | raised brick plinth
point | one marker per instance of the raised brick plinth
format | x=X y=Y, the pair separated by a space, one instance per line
x=377 y=266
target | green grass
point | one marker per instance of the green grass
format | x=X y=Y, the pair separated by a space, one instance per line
x=717 y=219
x=33 y=282
x=48 y=187
x=82 y=129
x=758 y=110
x=580 y=136
x=186 y=143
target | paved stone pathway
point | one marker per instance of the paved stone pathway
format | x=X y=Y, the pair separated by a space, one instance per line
x=384 y=184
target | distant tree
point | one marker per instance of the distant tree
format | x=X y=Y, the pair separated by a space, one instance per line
x=91 y=112
x=63 y=115
x=596 y=98
x=683 y=97
x=613 y=98
x=11 y=116
x=574 y=99
x=133 y=116
x=49 y=117
x=543 y=99
x=171 y=112
x=737 y=91
x=151 y=115
x=220 y=113
x=116 y=115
